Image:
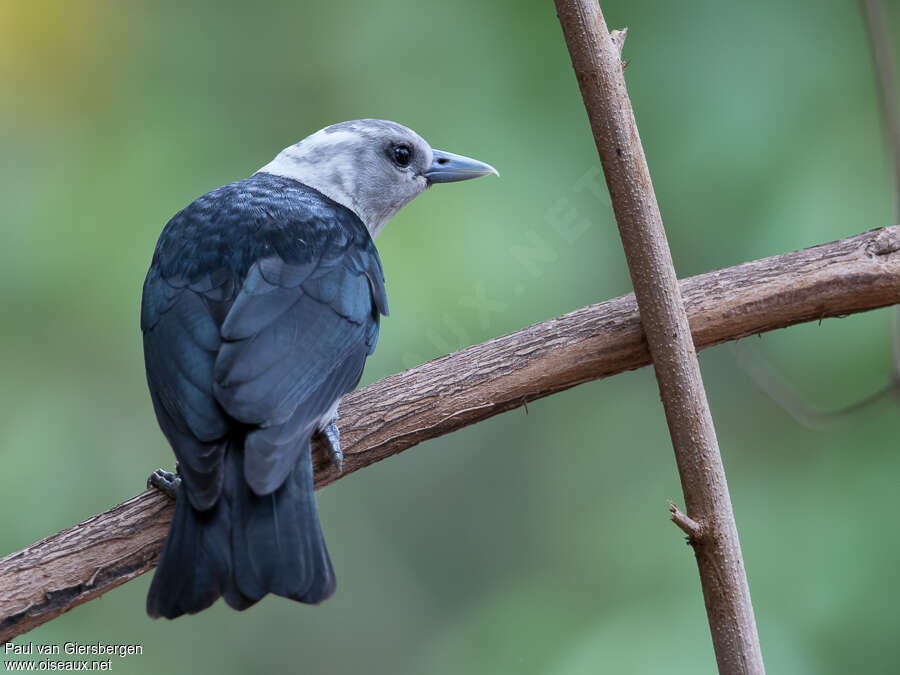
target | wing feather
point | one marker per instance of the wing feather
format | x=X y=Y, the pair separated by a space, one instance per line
x=281 y=371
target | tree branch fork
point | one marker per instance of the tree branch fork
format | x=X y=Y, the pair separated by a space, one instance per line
x=851 y=275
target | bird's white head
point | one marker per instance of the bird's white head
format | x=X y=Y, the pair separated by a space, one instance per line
x=373 y=167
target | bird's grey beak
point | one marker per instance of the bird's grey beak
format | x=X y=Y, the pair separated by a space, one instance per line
x=448 y=168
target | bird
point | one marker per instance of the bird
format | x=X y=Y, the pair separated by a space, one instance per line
x=262 y=302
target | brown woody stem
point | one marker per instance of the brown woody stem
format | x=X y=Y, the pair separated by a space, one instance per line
x=597 y=62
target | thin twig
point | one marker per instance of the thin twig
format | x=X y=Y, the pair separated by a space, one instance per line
x=687 y=525
x=780 y=389
x=876 y=19
x=883 y=56
x=855 y=274
x=598 y=67
x=753 y=362
x=618 y=38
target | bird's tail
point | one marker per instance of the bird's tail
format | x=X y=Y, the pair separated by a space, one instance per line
x=244 y=547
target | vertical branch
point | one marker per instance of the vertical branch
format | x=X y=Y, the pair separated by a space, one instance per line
x=883 y=57
x=597 y=64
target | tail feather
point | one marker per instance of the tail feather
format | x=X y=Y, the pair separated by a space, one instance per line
x=277 y=541
x=244 y=547
x=196 y=566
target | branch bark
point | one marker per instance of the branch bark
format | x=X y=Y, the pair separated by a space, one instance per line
x=598 y=66
x=855 y=274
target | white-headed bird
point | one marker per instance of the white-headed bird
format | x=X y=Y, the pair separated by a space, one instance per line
x=261 y=305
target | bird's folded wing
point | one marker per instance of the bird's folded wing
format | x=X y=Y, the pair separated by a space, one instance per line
x=181 y=341
x=294 y=341
x=262 y=313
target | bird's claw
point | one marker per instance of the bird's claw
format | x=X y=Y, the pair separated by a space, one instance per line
x=164 y=481
x=333 y=436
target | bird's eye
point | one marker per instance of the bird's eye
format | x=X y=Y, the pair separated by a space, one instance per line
x=402 y=155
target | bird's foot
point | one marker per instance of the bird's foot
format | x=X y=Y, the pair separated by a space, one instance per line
x=333 y=436
x=164 y=481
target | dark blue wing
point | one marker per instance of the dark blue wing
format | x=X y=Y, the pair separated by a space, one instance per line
x=181 y=341
x=259 y=310
x=294 y=342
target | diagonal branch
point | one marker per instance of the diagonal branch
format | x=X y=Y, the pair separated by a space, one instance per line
x=856 y=274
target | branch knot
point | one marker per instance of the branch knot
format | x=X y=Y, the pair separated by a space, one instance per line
x=688 y=525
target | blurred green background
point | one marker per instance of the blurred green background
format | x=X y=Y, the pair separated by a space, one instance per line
x=530 y=543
